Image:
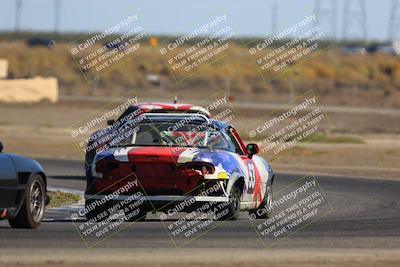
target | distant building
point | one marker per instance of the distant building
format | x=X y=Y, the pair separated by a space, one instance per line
x=354 y=50
x=3 y=68
x=26 y=90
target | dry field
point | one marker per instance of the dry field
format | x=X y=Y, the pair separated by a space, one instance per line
x=371 y=80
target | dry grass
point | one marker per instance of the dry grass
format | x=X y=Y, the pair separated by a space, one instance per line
x=332 y=75
x=59 y=199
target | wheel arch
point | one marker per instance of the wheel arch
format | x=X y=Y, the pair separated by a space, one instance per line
x=236 y=181
x=21 y=196
x=43 y=175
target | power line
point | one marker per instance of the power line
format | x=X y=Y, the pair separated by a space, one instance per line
x=18 y=7
x=274 y=17
x=355 y=16
x=57 y=12
x=326 y=13
x=394 y=21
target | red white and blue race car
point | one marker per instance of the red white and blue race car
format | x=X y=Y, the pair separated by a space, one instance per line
x=179 y=158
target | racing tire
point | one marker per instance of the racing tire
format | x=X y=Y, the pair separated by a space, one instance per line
x=31 y=213
x=265 y=209
x=231 y=211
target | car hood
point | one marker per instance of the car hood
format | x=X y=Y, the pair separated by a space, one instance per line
x=23 y=164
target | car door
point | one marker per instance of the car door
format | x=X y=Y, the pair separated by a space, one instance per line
x=8 y=181
x=254 y=189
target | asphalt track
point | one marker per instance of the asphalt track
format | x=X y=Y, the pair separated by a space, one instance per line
x=366 y=214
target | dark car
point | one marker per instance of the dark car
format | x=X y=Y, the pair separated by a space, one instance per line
x=22 y=191
x=46 y=42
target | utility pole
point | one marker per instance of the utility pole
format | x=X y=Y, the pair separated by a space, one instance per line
x=18 y=7
x=57 y=12
x=355 y=15
x=274 y=17
x=326 y=13
x=394 y=21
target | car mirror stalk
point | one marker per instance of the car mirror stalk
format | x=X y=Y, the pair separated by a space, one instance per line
x=252 y=149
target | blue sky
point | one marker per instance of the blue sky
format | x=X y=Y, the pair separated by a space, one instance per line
x=247 y=18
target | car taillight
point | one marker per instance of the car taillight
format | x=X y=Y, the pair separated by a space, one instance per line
x=102 y=166
x=205 y=170
x=202 y=168
x=99 y=166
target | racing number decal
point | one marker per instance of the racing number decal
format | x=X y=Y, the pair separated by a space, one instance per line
x=252 y=178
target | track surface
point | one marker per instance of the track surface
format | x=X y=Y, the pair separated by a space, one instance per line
x=366 y=215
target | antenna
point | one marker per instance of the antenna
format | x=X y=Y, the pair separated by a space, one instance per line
x=18 y=7
x=394 y=21
x=355 y=16
x=326 y=13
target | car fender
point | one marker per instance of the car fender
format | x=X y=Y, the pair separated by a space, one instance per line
x=226 y=162
x=264 y=168
x=233 y=180
x=26 y=165
x=26 y=169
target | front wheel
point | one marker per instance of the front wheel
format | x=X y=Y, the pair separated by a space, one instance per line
x=31 y=212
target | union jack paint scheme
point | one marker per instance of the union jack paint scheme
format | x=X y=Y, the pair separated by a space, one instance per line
x=176 y=157
x=102 y=138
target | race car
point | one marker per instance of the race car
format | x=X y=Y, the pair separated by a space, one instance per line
x=102 y=138
x=179 y=159
x=22 y=191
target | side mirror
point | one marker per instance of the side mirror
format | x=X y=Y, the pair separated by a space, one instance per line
x=1 y=147
x=252 y=149
x=110 y=122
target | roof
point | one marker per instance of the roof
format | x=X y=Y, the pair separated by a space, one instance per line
x=148 y=106
x=185 y=118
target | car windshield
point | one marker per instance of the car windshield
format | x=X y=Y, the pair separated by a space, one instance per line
x=176 y=134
